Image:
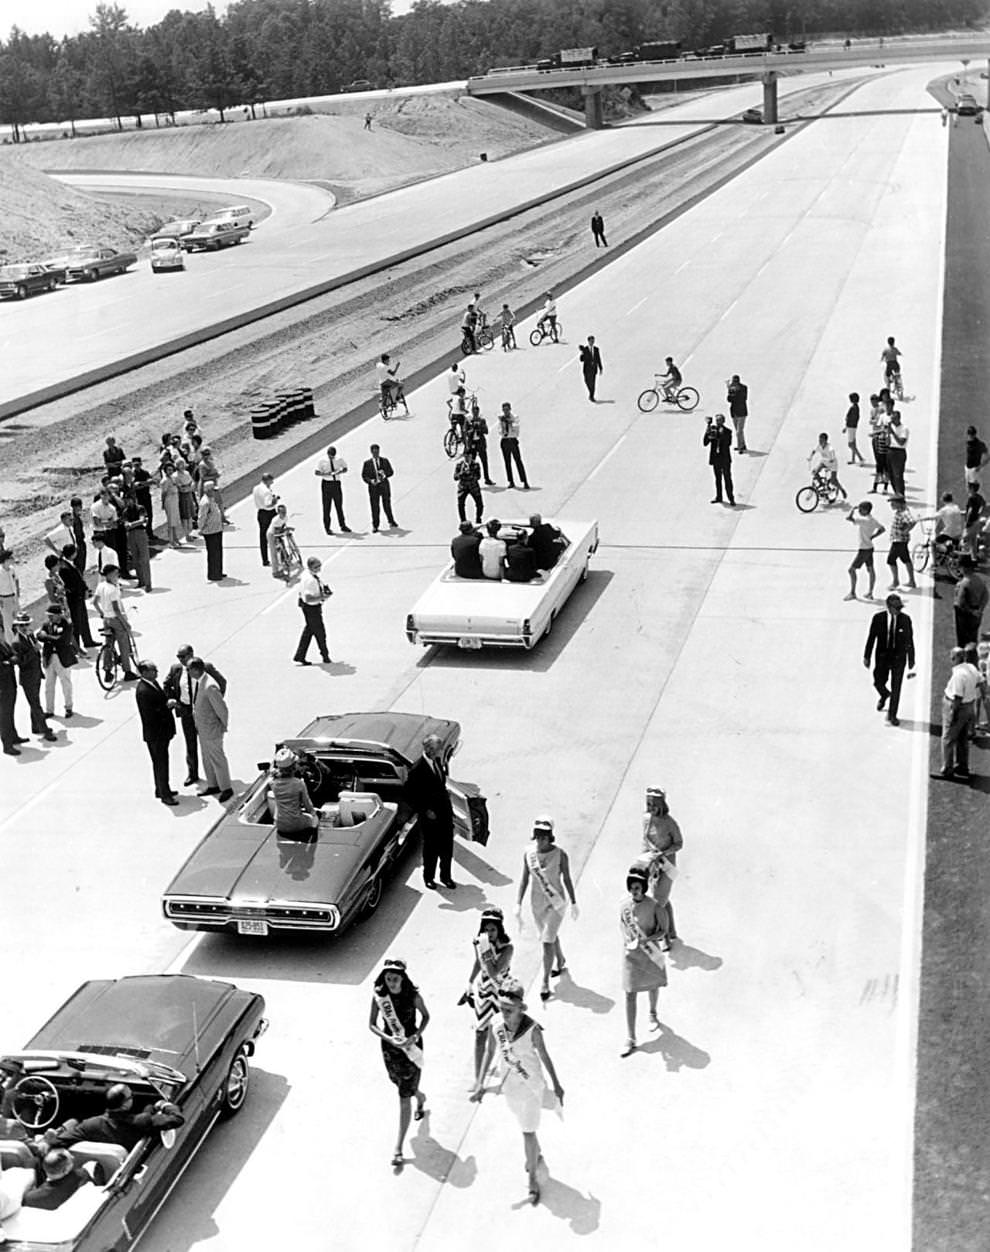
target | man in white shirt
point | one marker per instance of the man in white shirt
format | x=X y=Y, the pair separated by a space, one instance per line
x=508 y=427
x=456 y=379
x=62 y=534
x=10 y=592
x=949 y=523
x=331 y=470
x=388 y=381
x=958 y=716
x=822 y=459
x=265 y=501
x=897 y=453
x=109 y=604
x=491 y=550
x=548 y=318
x=312 y=592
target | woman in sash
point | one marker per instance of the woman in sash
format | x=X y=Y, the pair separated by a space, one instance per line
x=398 y=1002
x=662 y=840
x=522 y=1057
x=492 y=957
x=642 y=922
x=547 y=868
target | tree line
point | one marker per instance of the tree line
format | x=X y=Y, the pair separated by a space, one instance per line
x=282 y=49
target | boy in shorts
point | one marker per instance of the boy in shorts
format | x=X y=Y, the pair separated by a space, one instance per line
x=869 y=529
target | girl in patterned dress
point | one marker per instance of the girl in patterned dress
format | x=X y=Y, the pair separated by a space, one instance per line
x=492 y=957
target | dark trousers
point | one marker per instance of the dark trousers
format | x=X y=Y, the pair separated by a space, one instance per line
x=158 y=751
x=8 y=698
x=438 y=846
x=185 y=715
x=887 y=670
x=313 y=629
x=600 y=240
x=264 y=521
x=214 y=556
x=967 y=627
x=590 y=379
x=896 y=461
x=472 y=493
x=723 y=477
x=79 y=560
x=119 y=540
x=380 y=496
x=481 y=448
x=510 y=455
x=31 y=686
x=333 y=497
x=80 y=623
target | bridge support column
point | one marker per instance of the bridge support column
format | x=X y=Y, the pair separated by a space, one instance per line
x=594 y=114
x=988 y=83
x=770 y=97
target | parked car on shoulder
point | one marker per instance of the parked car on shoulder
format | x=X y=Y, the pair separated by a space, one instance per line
x=178 y=229
x=17 y=282
x=485 y=612
x=211 y=236
x=235 y=215
x=175 y=1041
x=167 y=253
x=90 y=263
x=247 y=878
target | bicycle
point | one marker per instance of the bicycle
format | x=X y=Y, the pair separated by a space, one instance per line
x=109 y=664
x=453 y=439
x=484 y=334
x=507 y=332
x=389 y=400
x=894 y=382
x=544 y=330
x=685 y=398
x=941 y=556
x=287 y=557
x=821 y=490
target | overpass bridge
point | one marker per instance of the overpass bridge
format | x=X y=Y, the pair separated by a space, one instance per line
x=768 y=66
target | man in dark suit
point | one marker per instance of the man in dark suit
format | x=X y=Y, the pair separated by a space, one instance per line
x=376 y=472
x=76 y=594
x=464 y=549
x=591 y=364
x=180 y=689
x=426 y=792
x=27 y=652
x=78 y=533
x=62 y=1179
x=718 y=441
x=158 y=726
x=545 y=542
x=892 y=636
x=598 y=229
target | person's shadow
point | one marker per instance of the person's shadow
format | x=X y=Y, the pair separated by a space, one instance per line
x=683 y=956
x=582 y=997
x=581 y=1212
x=677 y=1052
x=440 y=1163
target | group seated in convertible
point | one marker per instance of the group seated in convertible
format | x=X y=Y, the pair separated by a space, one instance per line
x=508 y=552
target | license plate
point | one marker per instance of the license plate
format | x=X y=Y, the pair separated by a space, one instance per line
x=250 y=926
x=471 y=642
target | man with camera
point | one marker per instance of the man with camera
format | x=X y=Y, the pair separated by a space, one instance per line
x=718 y=441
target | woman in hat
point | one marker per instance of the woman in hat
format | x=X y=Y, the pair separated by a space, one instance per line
x=295 y=813
x=662 y=840
x=492 y=957
x=642 y=922
x=547 y=868
x=397 y=1002
x=522 y=1058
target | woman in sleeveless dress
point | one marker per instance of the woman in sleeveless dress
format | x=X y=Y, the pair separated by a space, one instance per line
x=662 y=840
x=187 y=497
x=170 y=505
x=396 y=995
x=546 y=866
x=641 y=921
x=492 y=957
x=521 y=1056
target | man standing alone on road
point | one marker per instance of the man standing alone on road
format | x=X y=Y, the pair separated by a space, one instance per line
x=869 y=529
x=736 y=395
x=591 y=365
x=265 y=501
x=426 y=792
x=212 y=719
x=891 y=643
x=508 y=425
x=330 y=472
x=968 y=602
x=718 y=440
x=598 y=230
x=958 y=717
x=376 y=472
x=158 y=728
x=210 y=523
x=312 y=593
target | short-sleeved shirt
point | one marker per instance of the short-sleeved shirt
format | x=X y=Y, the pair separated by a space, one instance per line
x=975 y=504
x=491 y=552
x=890 y=354
x=963 y=683
x=332 y=467
x=290 y=811
x=868 y=528
x=976 y=450
x=384 y=371
x=951 y=518
x=455 y=380
x=104 y=596
x=824 y=458
x=899 y=435
x=901 y=525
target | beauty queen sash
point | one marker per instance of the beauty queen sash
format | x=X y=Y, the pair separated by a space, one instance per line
x=659 y=862
x=391 y=1019
x=636 y=936
x=554 y=896
x=504 y=1044
x=487 y=960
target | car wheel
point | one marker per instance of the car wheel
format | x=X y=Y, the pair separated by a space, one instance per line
x=21 y=292
x=235 y=1087
x=52 y=284
x=549 y=628
x=374 y=896
x=90 y=276
x=585 y=571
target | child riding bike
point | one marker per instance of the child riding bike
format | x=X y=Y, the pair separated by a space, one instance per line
x=671 y=381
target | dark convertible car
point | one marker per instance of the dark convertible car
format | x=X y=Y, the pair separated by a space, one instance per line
x=168 y=1037
x=246 y=878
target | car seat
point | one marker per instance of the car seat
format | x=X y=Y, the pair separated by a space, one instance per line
x=107 y=1158
x=16 y=1155
x=356 y=806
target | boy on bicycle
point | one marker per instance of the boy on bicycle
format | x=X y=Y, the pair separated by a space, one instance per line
x=388 y=380
x=548 y=318
x=458 y=412
x=822 y=460
x=891 y=365
x=948 y=524
x=468 y=324
x=671 y=381
x=507 y=321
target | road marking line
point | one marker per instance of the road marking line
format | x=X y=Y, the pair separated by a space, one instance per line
x=636 y=305
x=175 y=966
x=567 y=364
x=683 y=265
x=294 y=590
x=605 y=459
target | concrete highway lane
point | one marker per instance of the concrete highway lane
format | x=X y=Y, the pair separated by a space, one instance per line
x=709 y=652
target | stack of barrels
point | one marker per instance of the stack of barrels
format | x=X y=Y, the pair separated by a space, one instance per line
x=271 y=417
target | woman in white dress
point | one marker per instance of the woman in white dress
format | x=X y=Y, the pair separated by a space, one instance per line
x=522 y=1057
x=546 y=866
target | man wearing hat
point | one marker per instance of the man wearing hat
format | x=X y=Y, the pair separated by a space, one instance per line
x=27 y=653
x=901 y=525
x=58 y=655
x=8 y=698
x=968 y=602
x=959 y=701
x=891 y=643
x=157 y=726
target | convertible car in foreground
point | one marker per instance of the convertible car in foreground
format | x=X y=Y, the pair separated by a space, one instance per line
x=168 y=1037
x=478 y=612
x=246 y=878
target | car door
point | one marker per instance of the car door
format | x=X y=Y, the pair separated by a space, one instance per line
x=459 y=792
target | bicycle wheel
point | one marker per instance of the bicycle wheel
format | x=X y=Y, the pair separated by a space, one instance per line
x=385 y=408
x=107 y=666
x=920 y=555
x=952 y=566
x=451 y=443
x=807 y=499
x=687 y=399
x=648 y=400
x=536 y=337
x=485 y=339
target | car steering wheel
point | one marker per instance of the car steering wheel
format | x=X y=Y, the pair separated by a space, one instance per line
x=35 y=1102
x=311 y=774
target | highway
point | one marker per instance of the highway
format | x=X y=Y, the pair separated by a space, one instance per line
x=710 y=652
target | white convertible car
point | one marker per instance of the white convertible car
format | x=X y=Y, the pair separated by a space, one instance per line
x=475 y=612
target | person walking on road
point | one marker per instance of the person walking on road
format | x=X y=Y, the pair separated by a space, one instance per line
x=330 y=471
x=869 y=529
x=404 y=1016
x=737 y=398
x=591 y=365
x=313 y=592
x=897 y=453
x=598 y=230
x=522 y=1057
x=58 y=655
x=210 y=523
x=890 y=643
x=546 y=873
x=508 y=424
x=27 y=653
x=968 y=602
x=157 y=727
x=376 y=472
x=642 y=922
x=662 y=840
x=492 y=958
x=212 y=720
x=850 y=428
x=467 y=475
x=718 y=441
x=959 y=700
x=180 y=688
x=426 y=793
x=265 y=503
x=976 y=455
x=901 y=525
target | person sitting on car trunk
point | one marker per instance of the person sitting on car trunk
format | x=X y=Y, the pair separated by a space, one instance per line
x=294 y=811
x=119 y=1123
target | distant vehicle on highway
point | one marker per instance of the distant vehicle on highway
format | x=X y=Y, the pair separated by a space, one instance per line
x=474 y=613
x=211 y=236
x=360 y=84
x=178 y=229
x=91 y=262
x=235 y=215
x=753 y=115
x=167 y=254
x=17 y=282
x=967 y=106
